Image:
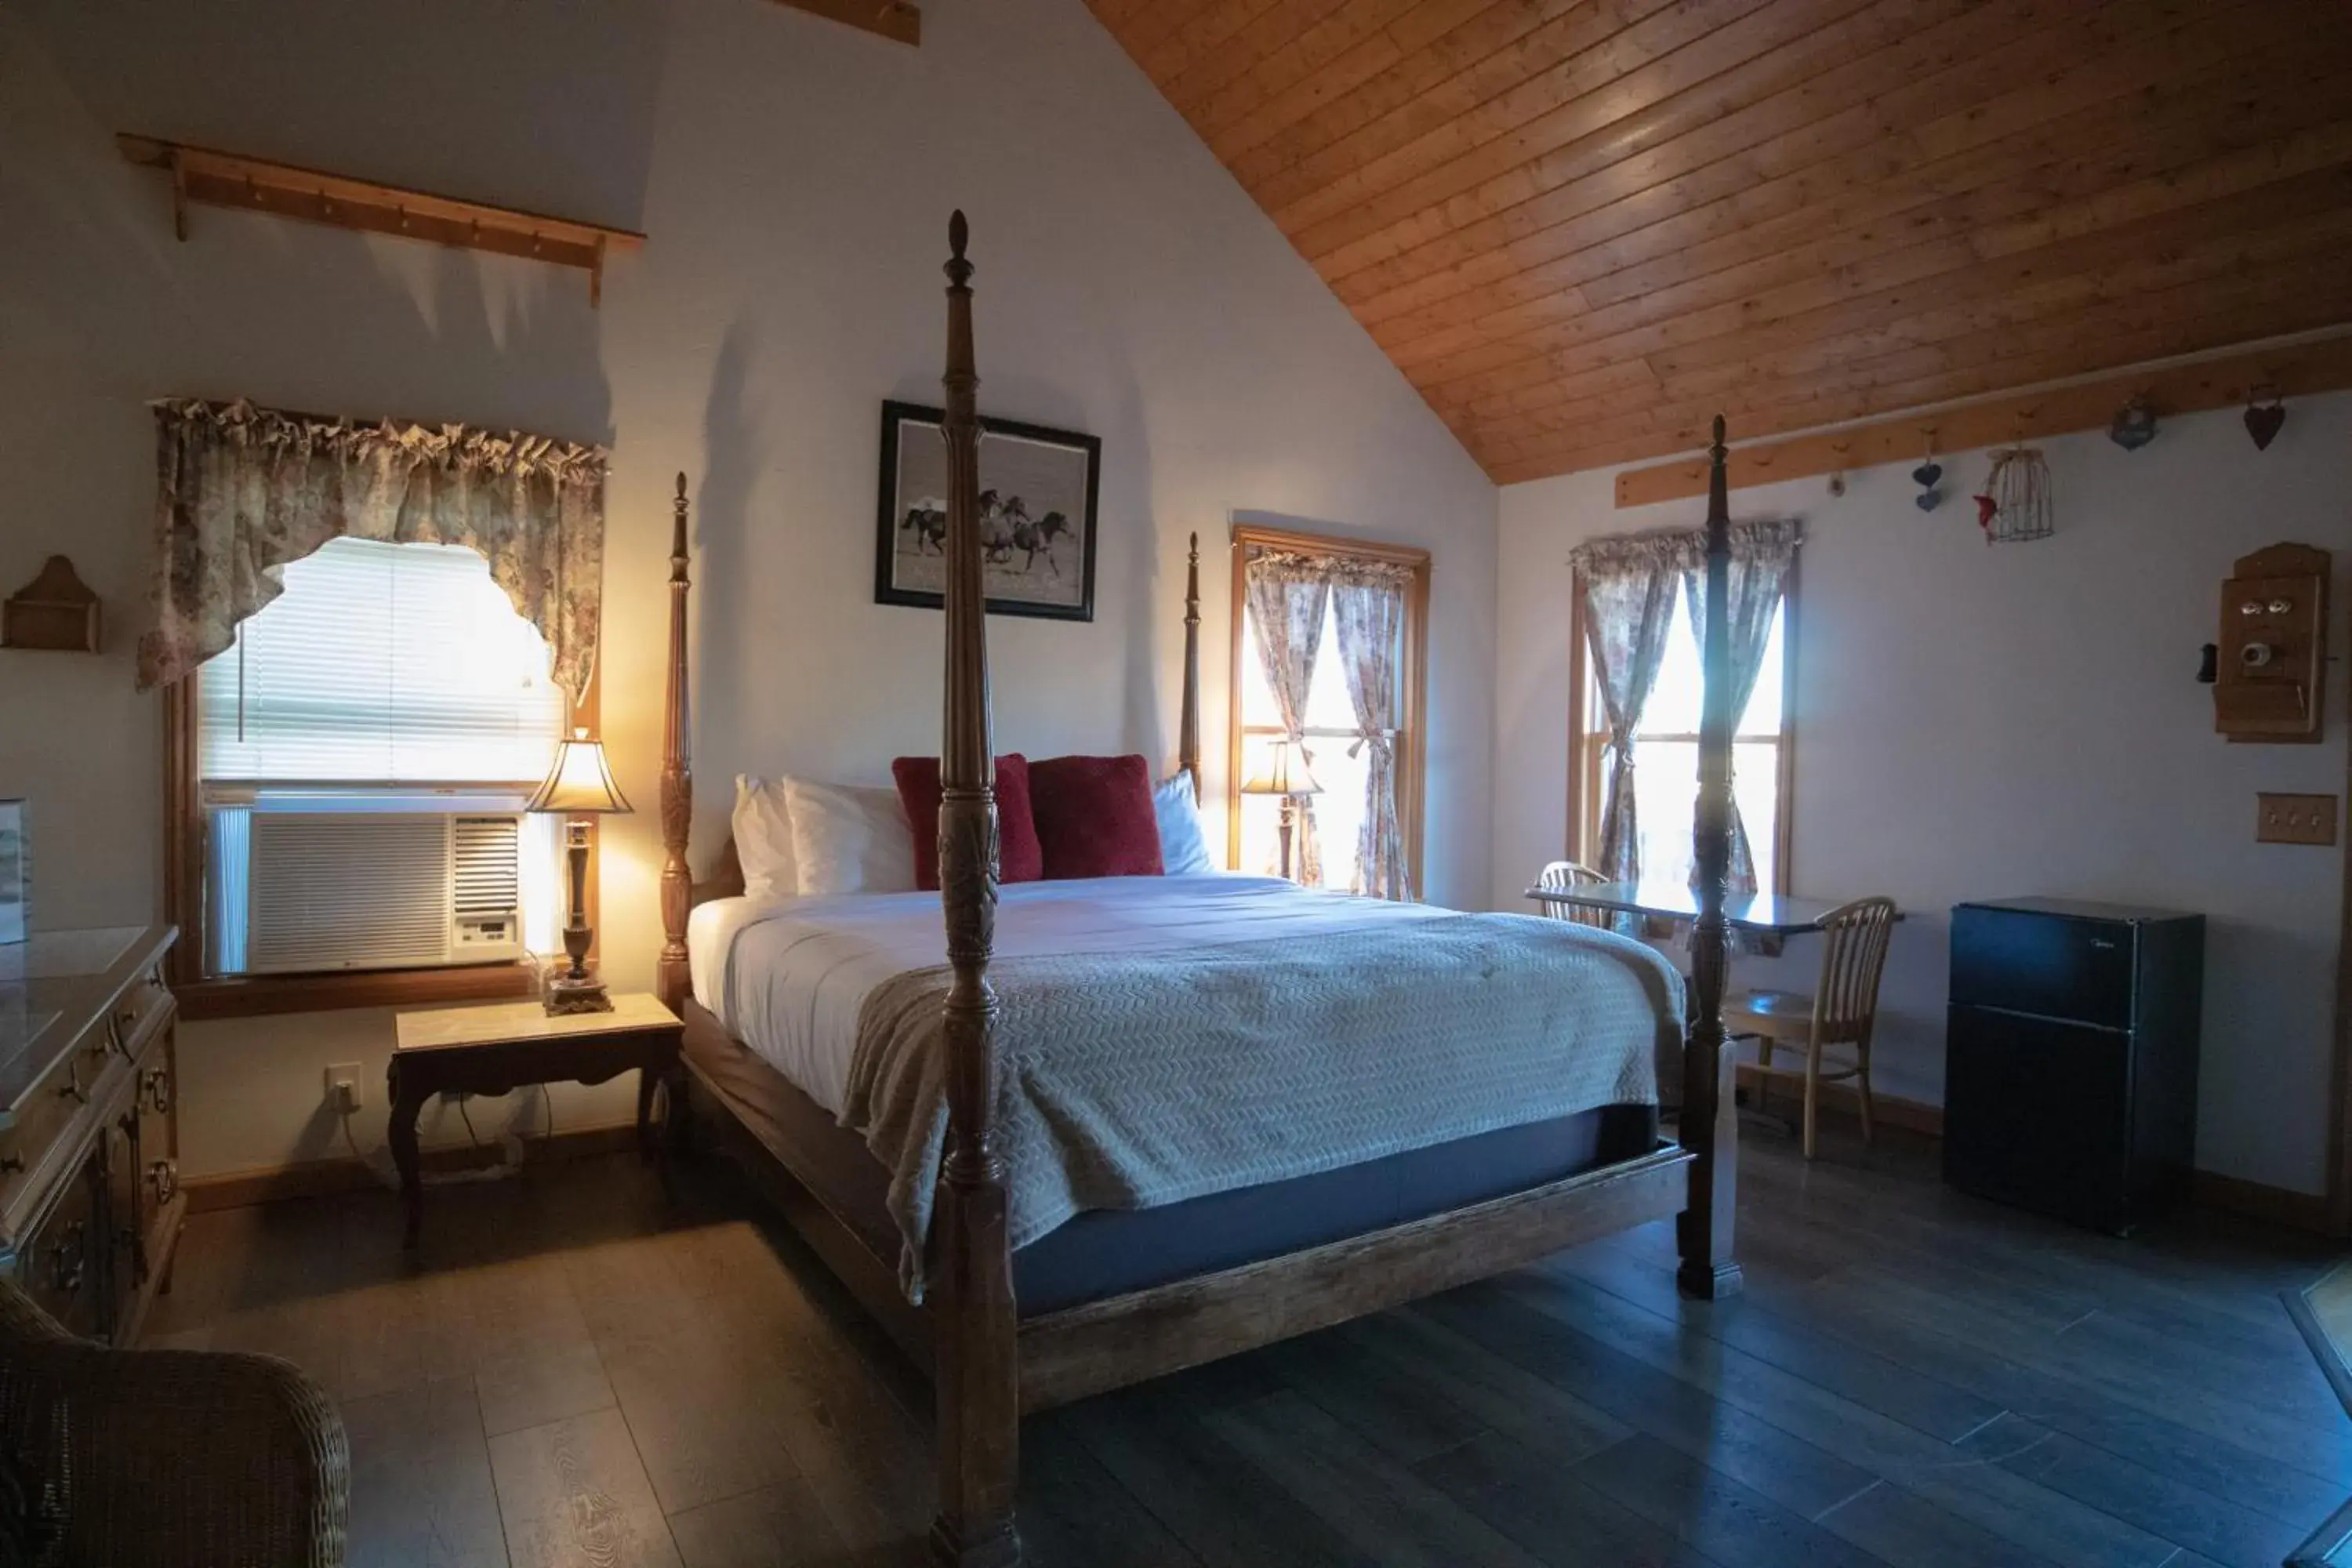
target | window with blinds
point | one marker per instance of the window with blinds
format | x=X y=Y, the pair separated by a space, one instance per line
x=365 y=749
x=382 y=664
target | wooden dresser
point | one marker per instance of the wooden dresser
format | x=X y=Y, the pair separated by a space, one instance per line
x=90 y=1199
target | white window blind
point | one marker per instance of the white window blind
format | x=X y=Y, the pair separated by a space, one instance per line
x=382 y=664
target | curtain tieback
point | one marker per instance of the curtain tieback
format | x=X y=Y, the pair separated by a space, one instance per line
x=1382 y=741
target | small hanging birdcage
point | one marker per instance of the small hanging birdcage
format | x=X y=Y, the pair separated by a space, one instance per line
x=2015 y=505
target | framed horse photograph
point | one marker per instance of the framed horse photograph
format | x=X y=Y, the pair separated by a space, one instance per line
x=1036 y=515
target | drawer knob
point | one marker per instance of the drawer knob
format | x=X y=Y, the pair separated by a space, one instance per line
x=12 y=1164
x=68 y=1257
x=164 y=1177
x=71 y=1088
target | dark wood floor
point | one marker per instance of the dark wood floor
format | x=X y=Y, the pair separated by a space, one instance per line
x=581 y=1371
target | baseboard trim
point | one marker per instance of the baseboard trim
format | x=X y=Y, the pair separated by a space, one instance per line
x=2253 y=1200
x=1787 y=1094
x=328 y=1178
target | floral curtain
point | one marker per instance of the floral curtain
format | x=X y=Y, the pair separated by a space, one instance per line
x=241 y=489
x=1288 y=593
x=1629 y=603
x=1368 y=605
x=1761 y=556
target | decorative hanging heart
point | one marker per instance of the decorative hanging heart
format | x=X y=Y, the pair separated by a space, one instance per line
x=2134 y=426
x=2263 y=424
x=1927 y=500
x=1926 y=473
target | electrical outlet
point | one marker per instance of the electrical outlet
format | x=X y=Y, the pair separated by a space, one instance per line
x=343 y=1088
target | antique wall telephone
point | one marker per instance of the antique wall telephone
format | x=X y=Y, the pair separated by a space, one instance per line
x=2267 y=671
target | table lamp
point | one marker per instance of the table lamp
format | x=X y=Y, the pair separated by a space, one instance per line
x=1281 y=777
x=580 y=785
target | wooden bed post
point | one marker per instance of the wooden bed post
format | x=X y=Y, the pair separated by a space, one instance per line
x=1188 y=729
x=1711 y=1120
x=973 y=1312
x=672 y=975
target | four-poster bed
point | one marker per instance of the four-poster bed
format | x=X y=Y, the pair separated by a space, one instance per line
x=1014 y=1323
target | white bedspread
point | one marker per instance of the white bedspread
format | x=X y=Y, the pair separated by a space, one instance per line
x=788 y=978
x=1334 y=1030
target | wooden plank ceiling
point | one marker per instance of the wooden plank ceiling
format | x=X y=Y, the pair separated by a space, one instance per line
x=1582 y=227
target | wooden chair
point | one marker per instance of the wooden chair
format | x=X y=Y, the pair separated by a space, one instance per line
x=1569 y=874
x=1841 y=1012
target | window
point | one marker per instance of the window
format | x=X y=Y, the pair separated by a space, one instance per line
x=1666 y=750
x=382 y=664
x=1332 y=734
x=386 y=680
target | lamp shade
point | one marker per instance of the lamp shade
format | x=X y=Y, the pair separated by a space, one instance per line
x=1281 y=775
x=581 y=782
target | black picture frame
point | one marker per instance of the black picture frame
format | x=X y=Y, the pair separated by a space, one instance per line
x=901 y=540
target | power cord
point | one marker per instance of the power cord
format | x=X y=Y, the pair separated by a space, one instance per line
x=379 y=1162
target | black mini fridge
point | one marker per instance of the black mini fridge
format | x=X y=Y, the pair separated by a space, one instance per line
x=2070 y=1068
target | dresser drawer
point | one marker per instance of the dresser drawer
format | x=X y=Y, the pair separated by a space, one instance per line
x=42 y=1130
x=155 y=1144
x=61 y=1264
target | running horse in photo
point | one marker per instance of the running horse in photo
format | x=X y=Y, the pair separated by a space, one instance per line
x=1038 y=539
x=927 y=520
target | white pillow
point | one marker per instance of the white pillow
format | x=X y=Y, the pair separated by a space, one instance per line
x=764 y=839
x=850 y=840
x=1183 y=851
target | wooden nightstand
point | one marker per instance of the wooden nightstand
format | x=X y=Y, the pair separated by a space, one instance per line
x=499 y=1048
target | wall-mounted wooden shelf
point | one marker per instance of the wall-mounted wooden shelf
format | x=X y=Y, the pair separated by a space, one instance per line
x=256 y=184
x=55 y=611
x=898 y=19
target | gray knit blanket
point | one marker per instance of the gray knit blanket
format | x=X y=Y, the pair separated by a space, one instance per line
x=1137 y=1080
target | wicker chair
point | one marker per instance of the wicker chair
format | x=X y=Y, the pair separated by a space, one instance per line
x=162 y=1458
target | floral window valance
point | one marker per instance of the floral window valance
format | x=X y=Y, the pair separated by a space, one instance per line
x=241 y=489
x=1683 y=549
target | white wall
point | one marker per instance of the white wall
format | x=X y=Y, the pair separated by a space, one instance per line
x=795 y=178
x=1976 y=722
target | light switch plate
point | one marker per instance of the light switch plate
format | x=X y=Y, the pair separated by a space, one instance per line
x=2295 y=819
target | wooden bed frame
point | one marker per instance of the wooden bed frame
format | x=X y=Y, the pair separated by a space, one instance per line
x=988 y=1365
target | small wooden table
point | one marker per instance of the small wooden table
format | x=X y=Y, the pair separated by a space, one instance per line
x=500 y=1049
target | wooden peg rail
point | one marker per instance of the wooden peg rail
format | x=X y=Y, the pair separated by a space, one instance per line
x=256 y=184
x=2295 y=370
x=899 y=19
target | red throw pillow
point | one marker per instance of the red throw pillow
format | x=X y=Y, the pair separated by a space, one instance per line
x=1017 y=858
x=1095 y=817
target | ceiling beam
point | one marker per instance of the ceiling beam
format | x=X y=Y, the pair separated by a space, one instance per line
x=897 y=19
x=2294 y=371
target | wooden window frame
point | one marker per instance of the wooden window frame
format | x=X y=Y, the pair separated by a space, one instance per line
x=1412 y=689
x=255 y=995
x=1584 y=786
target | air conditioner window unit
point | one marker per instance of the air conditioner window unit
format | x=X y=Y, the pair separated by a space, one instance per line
x=329 y=890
